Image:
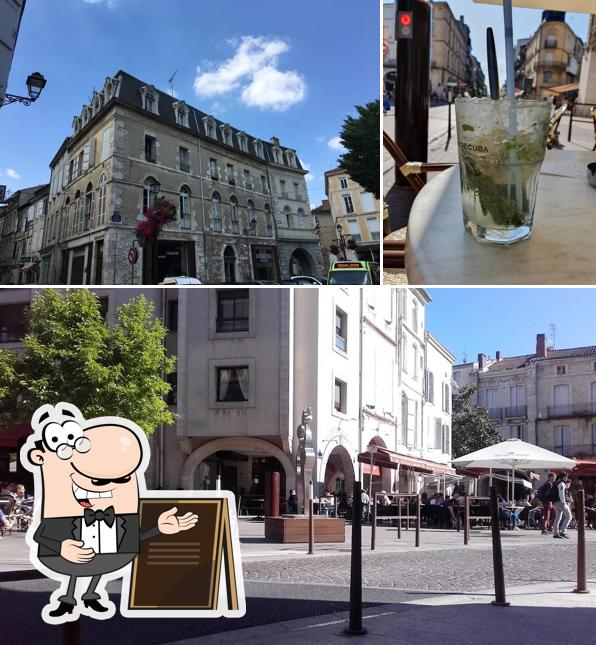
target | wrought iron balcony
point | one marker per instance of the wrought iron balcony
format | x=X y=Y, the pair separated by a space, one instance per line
x=495 y=413
x=574 y=449
x=516 y=412
x=572 y=410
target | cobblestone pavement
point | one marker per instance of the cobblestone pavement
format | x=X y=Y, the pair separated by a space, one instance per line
x=460 y=569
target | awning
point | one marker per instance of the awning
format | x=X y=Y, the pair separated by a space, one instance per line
x=386 y=458
x=10 y=436
x=584 y=468
x=561 y=89
x=375 y=470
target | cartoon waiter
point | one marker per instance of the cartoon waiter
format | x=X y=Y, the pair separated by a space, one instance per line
x=88 y=474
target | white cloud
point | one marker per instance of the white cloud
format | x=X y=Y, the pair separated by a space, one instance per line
x=110 y=4
x=335 y=144
x=309 y=176
x=13 y=174
x=254 y=69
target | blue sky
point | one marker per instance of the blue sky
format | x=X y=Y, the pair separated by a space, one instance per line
x=525 y=22
x=507 y=320
x=270 y=67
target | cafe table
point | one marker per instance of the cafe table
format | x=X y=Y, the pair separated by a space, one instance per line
x=561 y=250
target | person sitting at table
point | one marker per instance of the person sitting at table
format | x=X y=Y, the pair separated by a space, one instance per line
x=507 y=515
x=435 y=499
x=327 y=502
x=525 y=505
x=293 y=502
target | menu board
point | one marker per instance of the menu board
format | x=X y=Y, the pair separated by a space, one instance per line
x=192 y=573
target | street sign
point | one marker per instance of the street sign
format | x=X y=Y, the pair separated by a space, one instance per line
x=405 y=24
x=133 y=255
x=116 y=217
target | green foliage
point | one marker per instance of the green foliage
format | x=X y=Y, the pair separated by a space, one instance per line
x=71 y=355
x=361 y=137
x=472 y=429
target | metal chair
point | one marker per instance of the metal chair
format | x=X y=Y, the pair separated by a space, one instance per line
x=553 y=126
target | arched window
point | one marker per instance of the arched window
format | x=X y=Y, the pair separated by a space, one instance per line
x=300 y=214
x=268 y=221
x=216 y=212
x=258 y=148
x=102 y=201
x=234 y=215
x=288 y=217
x=229 y=259
x=148 y=196
x=185 y=207
x=88 y=212
x=250 y=214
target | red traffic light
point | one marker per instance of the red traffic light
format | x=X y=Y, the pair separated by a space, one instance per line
x=405 y=19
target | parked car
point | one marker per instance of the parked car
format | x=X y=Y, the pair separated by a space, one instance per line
x=180 y=280
x=304 y=279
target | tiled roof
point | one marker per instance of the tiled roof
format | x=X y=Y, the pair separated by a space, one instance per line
x=573 y=352
x=510 y=363
x=130 y=92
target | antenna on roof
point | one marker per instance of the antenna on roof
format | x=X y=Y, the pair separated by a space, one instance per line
x=553 y=336
x=171 y=83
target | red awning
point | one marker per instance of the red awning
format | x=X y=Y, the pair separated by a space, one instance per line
x=584 y=468
x=9 y=436
x=386 y=458
x=375 y=470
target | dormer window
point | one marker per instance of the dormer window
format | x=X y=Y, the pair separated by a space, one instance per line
x=226 y=134
x=76 y=125
x=242 y=143
x=209 y=124
x=97 y=102
x=150 y=99
x=258 y=148
x=181 y=112
x=85 y=115
x=109 y=89
x=290 y=158
x=277 y=156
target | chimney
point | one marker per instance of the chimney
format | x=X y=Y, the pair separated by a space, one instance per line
x=498 y=356
x=481 y=361
x=541 y=345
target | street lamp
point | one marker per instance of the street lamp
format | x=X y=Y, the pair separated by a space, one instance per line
x=35 y=84
x=155 y=188
x=342 y=240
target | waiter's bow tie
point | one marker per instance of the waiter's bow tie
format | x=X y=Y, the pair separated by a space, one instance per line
x=108 y=516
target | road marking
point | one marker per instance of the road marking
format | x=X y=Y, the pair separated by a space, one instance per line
x=337 y=622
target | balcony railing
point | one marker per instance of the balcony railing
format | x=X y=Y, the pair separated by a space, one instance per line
x=495 y=413
x=574 y=449
x=572 y=410
x=516 y=411
x=12 y=333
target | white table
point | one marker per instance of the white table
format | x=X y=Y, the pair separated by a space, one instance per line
x=562 y=249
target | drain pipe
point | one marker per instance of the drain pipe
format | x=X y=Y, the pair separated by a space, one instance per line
x=202 y=199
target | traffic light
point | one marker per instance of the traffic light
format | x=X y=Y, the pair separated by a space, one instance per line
x=405 y=26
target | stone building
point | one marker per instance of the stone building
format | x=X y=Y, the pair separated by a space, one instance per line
x=553 y=56
x=22 y=223
x=587 y=79
x=243 y=208
x=356 y=211
x=327 y=232
x=246 y=370
x=547 y=397
x=11 y=13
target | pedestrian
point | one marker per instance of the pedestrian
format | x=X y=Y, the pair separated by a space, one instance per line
x=293 y=502
x=365 y=499
x=563 y=512
x=544 y=495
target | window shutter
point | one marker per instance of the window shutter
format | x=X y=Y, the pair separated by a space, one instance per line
x=105 y=152
x=86 y=154
x=91 y=145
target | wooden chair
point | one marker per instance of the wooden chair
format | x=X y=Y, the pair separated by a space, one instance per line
x=394 y=251
x=553 y=126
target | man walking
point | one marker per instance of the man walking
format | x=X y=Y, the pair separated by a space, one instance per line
x=544 y=495
x=563 y=512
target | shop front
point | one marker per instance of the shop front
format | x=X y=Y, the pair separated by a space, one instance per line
x=265 y=263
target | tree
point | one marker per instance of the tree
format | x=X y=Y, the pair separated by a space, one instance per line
x=70 y=354
x=472 y=429
x=360 y=137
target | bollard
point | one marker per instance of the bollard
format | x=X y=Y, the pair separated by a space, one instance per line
x=418 y=519
x=71 y=633
x=580 y=516
x=311 y=520
x=355 y=625
x=570 y=123
x=499 y=600
x=398 y=518
x=373 y=532
x=466 y=519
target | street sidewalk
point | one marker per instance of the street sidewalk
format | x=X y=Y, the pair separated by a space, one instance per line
x=540 y=614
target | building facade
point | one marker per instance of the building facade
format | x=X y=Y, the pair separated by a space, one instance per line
x=553 y=56
x=246 y=371
x=356 y=211
x=243 y=210
x=547 y=398
x=587 y=79
x=11 y=13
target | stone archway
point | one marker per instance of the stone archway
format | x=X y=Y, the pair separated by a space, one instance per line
x=383 y=480
x=338 y=463
x=237 y=444
x=301 y=263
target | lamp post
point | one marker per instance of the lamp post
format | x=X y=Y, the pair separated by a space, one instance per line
x=342 y=240
x=35 y=84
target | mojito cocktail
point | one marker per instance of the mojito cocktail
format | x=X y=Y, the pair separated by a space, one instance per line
x=501 y=148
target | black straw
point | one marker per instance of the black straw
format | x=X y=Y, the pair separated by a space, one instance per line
x=493 y=70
